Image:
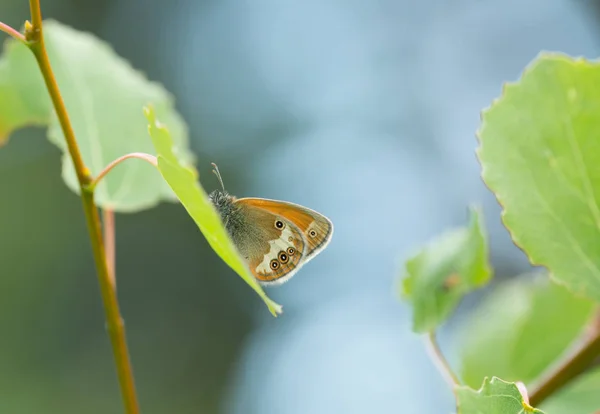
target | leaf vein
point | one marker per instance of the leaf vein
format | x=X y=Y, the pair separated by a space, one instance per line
x=575 y=243
x=590 y=197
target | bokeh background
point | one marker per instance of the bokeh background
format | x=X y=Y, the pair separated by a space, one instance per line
x=363 y=110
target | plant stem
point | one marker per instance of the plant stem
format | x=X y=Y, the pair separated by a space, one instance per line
x=143 y=156
x=12 y=32
x=440 y=361
x=36 y=15
x=523 y=390
x=34 y=35
x=114 y=322
x=576 y=364
x=108 y=223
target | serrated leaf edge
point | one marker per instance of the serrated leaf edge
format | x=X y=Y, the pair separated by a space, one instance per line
x=541 y=58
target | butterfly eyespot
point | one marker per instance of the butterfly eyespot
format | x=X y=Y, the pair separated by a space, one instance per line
x=279 y=224
x=312 y=233
x=291 y=251
x=274 y=264
x=283 y=257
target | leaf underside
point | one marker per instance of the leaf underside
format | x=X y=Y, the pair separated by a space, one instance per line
x=183 y=179
x=104 y=96
x=444 y=271
x=501 y=336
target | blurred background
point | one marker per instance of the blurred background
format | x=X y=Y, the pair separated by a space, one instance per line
x=373 y=105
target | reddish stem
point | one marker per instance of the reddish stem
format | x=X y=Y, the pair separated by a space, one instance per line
x=108 y=223
x=141 y=155
x=12 y=32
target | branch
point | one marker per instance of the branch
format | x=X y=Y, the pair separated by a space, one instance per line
x=12 y=32
x=440 y=361
x=576 y=364
x=36 y=15
x=142 y=156
x=36 y=43
x=108 y=222
x=114 y=322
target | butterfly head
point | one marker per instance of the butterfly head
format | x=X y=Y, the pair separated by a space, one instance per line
x=222 y=200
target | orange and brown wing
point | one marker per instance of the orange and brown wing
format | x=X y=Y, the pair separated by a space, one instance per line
x=272 y=246
x=316 y=228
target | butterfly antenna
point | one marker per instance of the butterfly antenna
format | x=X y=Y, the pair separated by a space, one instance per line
x=218 y=174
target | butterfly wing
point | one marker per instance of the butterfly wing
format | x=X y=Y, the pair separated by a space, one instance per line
x=272 y=246
x=315 y=227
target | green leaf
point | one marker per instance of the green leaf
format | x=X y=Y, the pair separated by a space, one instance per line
x=444 y=271
x=183 y=179
x=23 y=100
x=494 y=397
x=104 y=96
x=580 y=397
x=498 y=337
x=539 y=154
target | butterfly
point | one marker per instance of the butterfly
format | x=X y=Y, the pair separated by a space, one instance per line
x=275 y=238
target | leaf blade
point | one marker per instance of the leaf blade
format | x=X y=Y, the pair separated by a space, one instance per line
x=449 y=267
x=538 y=152
x=23 y=99
x=497 y=337
x=103 y=95
x=494 y=397
x=183 y=181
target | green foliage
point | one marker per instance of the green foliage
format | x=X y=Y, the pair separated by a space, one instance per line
x=497 y=339
x=103 y=95
x=494 y=397
x=581 y=397
x=451 y=266
x=183 y=179
x=539 y=155
x=23 y=97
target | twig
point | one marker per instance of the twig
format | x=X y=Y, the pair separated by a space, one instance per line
x=35 y=39
x=523 y=390
x=114 y=322
x=594 y=326
x=36 y=15
x=108 y=223
x=142 y=156
x=12 y=32
x=579 y=362
x=440 y=361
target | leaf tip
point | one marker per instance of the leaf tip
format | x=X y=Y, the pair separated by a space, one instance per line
x=149 y=113
x=275 y=308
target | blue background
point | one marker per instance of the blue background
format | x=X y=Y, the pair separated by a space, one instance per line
x=363 y=110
